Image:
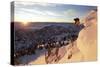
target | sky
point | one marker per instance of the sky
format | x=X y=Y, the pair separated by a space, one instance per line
x=48 y=12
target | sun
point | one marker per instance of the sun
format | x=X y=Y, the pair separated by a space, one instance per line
x=25 y=23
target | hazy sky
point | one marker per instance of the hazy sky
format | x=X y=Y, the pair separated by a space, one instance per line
x=49 y=12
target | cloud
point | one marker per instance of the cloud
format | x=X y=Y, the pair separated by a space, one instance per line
x=70 y=12
x=35 y=8
x=52 y=13
x=44 y=10
x=38 y=12
x=29 y=3
x=24 y=3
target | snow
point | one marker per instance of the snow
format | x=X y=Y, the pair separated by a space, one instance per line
x=82 y=49
x=87 y=40
x=85 y=47
x=76 y=57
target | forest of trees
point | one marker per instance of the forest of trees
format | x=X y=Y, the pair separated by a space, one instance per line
x=28 y=41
